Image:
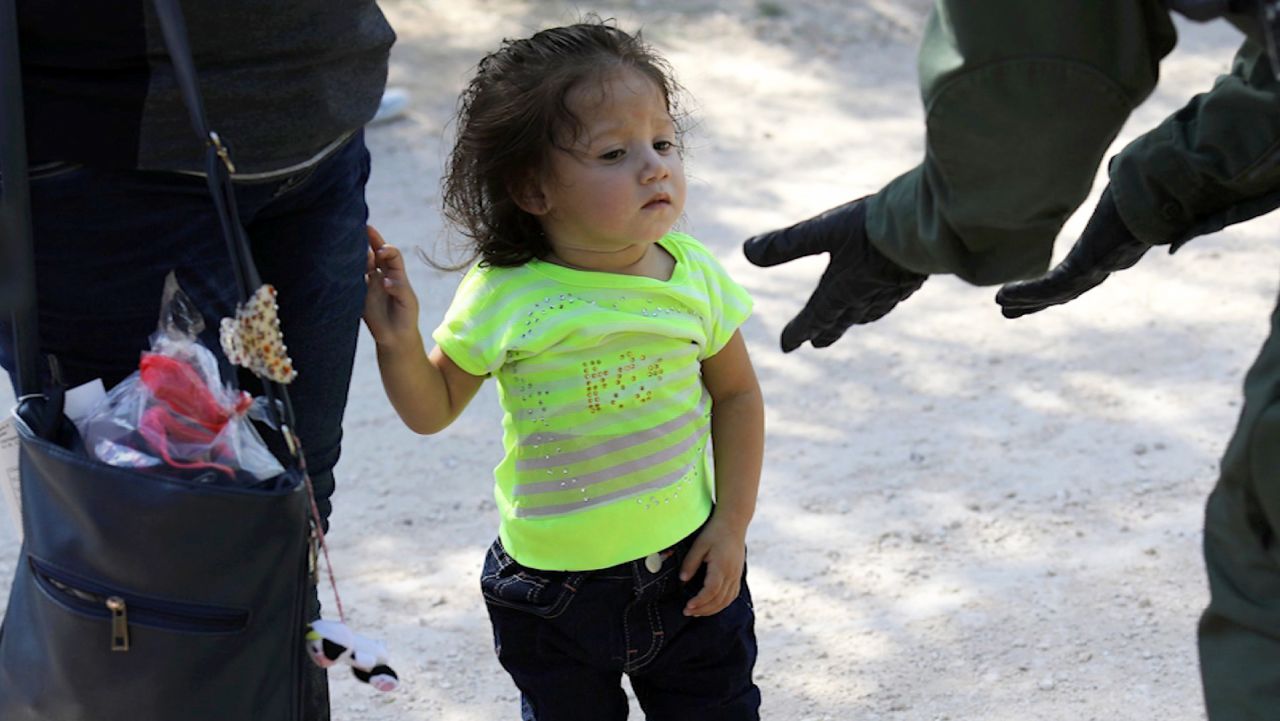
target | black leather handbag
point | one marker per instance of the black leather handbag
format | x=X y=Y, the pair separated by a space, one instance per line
x=141 y=597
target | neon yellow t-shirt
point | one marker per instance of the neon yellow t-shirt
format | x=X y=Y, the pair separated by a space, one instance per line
x=606 y=418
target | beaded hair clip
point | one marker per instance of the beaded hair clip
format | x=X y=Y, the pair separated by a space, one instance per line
x=252 y=339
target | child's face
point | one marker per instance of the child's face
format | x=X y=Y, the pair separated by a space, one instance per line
x=621 y=185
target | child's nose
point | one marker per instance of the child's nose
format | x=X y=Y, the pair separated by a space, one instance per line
x=656 y=167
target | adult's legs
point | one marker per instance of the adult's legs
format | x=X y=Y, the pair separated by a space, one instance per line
x=1240 y=630
x=309 y=241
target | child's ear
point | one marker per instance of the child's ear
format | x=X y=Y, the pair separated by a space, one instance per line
x=528 y=195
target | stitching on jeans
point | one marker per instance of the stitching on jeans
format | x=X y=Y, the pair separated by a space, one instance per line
x=569 y=591
x=535 y=585
x=626 y=637
x=570 y=584
x=499 y=590
x=668 y=566
x=488 y=577
x=656 y=633
x=502 y=565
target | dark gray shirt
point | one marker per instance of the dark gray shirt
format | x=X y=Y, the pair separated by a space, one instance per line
x=282 y=80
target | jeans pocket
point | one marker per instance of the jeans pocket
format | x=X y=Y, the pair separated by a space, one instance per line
x=506 y=583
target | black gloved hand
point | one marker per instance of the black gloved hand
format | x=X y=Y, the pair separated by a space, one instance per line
x=860 y=284
x=1104 y=247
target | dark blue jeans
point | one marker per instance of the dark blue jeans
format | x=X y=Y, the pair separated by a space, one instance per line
x=566 y=638
x=105 y=239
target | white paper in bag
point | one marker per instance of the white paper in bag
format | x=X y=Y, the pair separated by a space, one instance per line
x=10 y=488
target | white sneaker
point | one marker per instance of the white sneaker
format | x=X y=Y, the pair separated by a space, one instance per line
x=394 y=104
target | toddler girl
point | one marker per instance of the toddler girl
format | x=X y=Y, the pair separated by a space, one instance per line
x=616 y=349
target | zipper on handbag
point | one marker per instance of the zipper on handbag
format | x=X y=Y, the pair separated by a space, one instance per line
x=115 y=605
x=119 y=607
x=119 y=623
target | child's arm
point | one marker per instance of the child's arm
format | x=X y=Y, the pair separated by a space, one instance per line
x=427 y=391
x=737 y=444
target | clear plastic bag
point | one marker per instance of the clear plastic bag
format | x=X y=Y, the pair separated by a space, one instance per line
x=175 y=415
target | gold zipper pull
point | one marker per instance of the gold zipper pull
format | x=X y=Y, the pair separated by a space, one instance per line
x=119 y=624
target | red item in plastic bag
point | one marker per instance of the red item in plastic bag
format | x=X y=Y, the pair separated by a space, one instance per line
x=186 y=412
x=175 y=412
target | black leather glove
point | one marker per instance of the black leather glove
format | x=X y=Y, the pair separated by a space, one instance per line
x=1104 y=247
x=860 y=284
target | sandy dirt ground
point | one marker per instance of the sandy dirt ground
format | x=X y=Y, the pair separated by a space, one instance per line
x=961 y=517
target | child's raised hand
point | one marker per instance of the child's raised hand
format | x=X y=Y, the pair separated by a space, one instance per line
x=723 y=548
x=390 y=305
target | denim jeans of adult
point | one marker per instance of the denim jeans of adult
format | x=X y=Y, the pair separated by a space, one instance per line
x=566 y=638
x=106 y=239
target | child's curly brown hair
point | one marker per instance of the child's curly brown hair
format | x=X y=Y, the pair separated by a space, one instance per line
x=515 y=113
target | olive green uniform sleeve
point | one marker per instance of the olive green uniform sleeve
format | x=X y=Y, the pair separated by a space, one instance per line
x=1021 y=101
x=1213 y=163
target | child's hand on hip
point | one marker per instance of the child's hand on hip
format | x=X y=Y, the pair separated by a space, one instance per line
x=723 y=548
x=390 y=305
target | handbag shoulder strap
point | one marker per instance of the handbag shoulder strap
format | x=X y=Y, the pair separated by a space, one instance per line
x=15 y=209
x=218 y=165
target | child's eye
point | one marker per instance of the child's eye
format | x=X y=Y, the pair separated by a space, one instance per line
x=613 y=155
x=663 y=146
